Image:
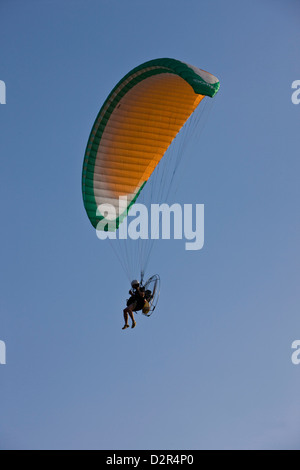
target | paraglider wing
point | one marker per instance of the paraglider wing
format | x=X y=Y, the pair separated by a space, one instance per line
x=133 y=130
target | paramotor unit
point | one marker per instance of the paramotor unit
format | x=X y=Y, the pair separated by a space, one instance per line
x=152 y=291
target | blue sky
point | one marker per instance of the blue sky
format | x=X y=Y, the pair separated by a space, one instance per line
x=212 y=368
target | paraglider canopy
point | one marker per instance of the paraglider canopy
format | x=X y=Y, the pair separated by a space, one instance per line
x=134 y=128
